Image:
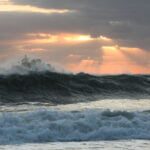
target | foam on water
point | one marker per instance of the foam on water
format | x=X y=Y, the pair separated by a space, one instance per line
x=111 y=104
x=87 y=125
x=98 y=145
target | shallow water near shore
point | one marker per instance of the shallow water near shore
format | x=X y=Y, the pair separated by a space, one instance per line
x=104 y=145
x=102 y=124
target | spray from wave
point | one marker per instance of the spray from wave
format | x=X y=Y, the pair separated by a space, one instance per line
x=26 y=66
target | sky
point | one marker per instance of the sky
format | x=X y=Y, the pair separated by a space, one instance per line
x=92 y=36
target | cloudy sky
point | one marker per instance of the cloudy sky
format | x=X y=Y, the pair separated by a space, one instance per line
x=93 y=36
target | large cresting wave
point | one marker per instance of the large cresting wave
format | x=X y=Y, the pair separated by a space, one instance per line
x=87 y=125
x=35 y=81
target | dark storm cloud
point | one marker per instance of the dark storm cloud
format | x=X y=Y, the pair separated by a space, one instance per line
x=57 y=4
x=124 y=20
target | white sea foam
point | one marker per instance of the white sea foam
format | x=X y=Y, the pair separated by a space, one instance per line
x=90 y=145
x=87 y=125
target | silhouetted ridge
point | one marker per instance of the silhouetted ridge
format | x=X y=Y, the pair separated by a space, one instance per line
x=62 y=88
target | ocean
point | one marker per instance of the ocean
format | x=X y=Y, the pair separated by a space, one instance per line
x=50 y=110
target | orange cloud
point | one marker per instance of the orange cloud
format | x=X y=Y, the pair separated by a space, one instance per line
x=4 y=2
x=36 y=50
x=58 y=38
x=106 y=39
x=7 y=6
x=45 y=38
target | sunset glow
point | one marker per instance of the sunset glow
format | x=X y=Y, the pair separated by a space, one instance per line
x=68 y=38
x=8 y=7
x=71 y=36
x=115 y=61
x=118 y=59
x=105 y=39
x=77 y=38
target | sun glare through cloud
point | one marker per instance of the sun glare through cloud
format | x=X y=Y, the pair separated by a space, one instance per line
x=8 y=6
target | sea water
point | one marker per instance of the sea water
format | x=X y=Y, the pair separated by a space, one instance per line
x=104 y=124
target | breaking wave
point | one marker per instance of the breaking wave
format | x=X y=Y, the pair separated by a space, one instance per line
x=60 y=88
x=88 y=125
x=35 y=81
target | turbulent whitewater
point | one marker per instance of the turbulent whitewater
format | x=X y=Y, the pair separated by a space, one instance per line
x=87 y=125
